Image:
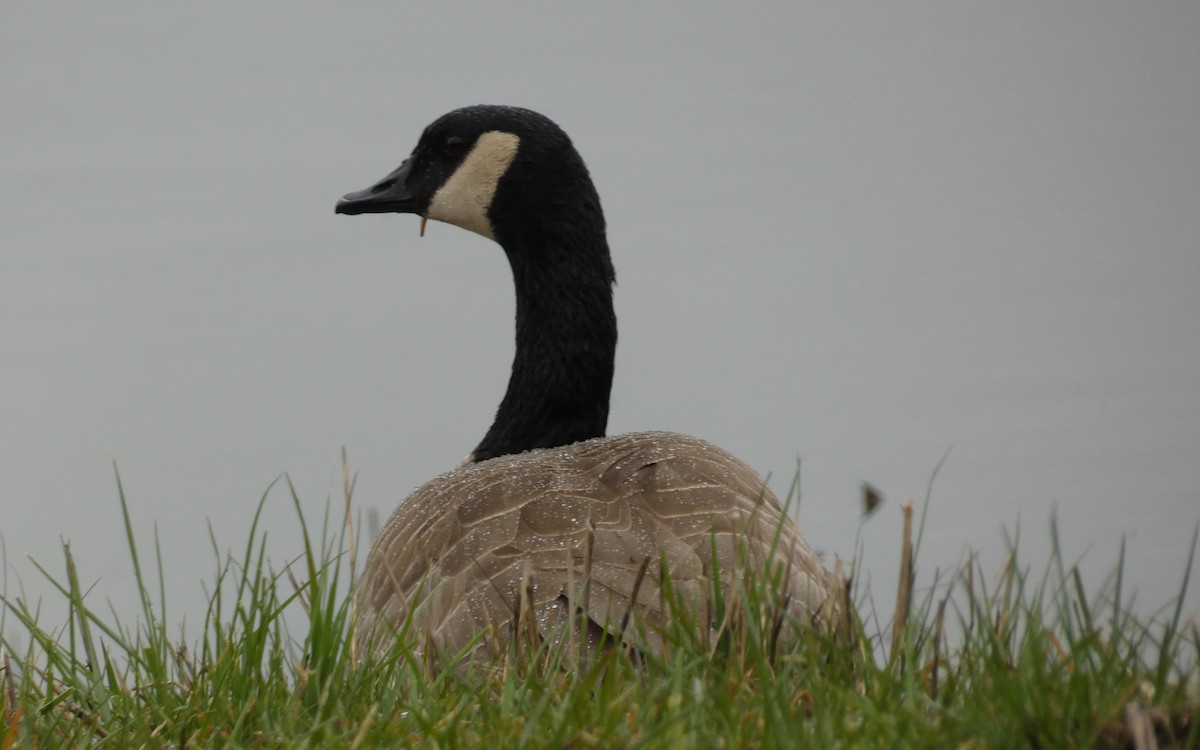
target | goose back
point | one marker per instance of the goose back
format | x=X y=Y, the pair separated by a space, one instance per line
x=456 y=557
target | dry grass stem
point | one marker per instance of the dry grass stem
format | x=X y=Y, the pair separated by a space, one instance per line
x=904 y=587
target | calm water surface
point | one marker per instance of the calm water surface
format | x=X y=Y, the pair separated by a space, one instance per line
x=859 y=238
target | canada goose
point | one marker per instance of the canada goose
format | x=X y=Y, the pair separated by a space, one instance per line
x=546 y=501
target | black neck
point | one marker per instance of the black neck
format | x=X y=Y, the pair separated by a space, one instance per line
x=566 y=342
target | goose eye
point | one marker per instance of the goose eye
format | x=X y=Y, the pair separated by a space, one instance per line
x=454 y=147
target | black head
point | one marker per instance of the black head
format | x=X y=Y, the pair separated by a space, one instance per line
x=501 y=172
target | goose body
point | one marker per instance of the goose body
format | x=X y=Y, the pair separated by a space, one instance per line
x=548 y=518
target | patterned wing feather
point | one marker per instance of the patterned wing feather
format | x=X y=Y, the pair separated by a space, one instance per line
x=459 y=553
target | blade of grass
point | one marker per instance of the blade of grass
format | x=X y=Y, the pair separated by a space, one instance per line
x=1166 y=657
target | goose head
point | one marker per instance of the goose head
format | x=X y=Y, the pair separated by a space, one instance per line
x=505 y=173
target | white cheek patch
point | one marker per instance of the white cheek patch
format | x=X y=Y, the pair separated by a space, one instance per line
x=465 y=198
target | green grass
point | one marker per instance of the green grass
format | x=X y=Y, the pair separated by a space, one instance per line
x=1016 y=660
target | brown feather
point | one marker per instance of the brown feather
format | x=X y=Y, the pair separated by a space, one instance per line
x=453 y=556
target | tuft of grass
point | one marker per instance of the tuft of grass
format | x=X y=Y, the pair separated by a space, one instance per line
x=1015 y=661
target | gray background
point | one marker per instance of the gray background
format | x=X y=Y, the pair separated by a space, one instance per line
x=860 y=235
